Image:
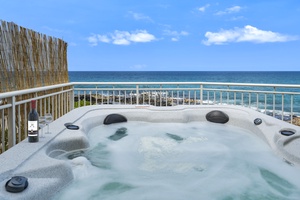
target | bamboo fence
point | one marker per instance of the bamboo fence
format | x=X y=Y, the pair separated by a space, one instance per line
x=28 y=59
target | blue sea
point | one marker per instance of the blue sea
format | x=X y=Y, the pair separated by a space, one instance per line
x=292 y=77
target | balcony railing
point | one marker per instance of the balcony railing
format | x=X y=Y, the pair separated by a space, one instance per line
x=280 y=101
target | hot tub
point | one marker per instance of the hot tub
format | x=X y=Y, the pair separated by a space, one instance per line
x=48 y=174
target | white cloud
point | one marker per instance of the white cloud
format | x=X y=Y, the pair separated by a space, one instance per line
x=138 y=67
x=141 y=36
x=246 y=34
x=93 y=40
x=203 y=8
x=122 y=37
x=103 y=38
x=140 y=16
x=238 y=18
x=234 y=9
x=175 y=34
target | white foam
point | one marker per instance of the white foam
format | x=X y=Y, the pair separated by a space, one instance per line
x=203 y=162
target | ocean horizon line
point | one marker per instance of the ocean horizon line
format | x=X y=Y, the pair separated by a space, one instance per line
x=267 y=77
x=170 y=71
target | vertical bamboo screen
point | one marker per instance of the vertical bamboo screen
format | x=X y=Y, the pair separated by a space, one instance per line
x=30 y=59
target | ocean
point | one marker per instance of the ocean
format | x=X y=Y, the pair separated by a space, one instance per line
x=292 y=77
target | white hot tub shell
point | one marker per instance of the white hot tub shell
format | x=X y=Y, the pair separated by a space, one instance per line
x=47 y=175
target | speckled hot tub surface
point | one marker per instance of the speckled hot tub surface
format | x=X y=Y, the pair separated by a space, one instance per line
x=47 y=174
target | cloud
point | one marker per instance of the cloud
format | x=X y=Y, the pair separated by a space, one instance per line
x=246 y=34
x=233 y=9
x=140 y=16
x=138 y=67
x=237 y=18
x=122 y=37
x=203 y=8
x=93 y=40
x=175 y=34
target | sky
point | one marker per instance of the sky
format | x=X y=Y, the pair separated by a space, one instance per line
x=167 y=35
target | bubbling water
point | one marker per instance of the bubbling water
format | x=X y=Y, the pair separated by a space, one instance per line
x=140 y=160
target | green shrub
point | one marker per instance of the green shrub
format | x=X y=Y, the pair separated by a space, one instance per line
x=87 y=103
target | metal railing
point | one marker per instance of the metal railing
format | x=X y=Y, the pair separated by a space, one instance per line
x=272 y=99
x=15 y=107
x=280 y=101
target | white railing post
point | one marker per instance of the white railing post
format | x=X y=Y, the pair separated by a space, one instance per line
x=113 y=95
x=201 y=94
x=257 y=102
x=249 y=102
x=11 y=122
x=207 y=98
x=90 y=95
x=234 y=97
x=274 y=102
x=242 y=99
x=137 y=94
x=292 y=110
x=282 y=106
x=84 y=99
x=214 y=102
x=72 y=96
x=3 y=130
x=228 y=88
x=221 y=97
x=265 y=104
